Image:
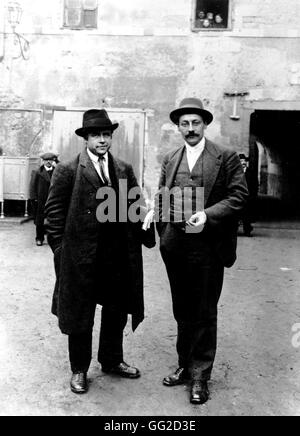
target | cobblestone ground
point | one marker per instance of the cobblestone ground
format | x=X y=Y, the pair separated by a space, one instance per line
x=257 y=369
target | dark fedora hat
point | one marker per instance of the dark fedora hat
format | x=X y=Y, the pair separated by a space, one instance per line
x=191 y=105
x=95 y=119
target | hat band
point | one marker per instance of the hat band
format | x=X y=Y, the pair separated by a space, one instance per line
x=192 y=106
x=96 y=122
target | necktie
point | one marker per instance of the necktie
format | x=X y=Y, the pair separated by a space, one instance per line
x=104 y=177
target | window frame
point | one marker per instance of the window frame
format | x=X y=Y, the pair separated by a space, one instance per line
x=82 y=25
x=211 y=29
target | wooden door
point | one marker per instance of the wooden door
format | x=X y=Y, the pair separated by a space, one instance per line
x=128 y=139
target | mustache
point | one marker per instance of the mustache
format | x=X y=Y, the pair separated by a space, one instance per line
x=191 y=134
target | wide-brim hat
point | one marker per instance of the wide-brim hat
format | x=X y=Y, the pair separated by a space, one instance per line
x=49 y=156
x=191 y=105
x=95 y=119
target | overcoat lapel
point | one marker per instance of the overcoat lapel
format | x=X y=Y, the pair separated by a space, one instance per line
x=89 y=171
x=115 y=172
x=116 y=175
x=211 y=167
x=44 y=173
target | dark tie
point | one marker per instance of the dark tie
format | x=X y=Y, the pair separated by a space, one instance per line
x=102 y=171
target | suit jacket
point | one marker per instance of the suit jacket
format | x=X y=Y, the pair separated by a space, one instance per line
x=225 y=194
x=73 y=234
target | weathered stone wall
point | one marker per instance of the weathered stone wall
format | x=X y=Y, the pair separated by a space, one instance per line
x=145 y=54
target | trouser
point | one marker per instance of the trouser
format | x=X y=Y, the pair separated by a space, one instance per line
x=40 y=232
x=110 y=350
x=196 y=278
x=247 y=226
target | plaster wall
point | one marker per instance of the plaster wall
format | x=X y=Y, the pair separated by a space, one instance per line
x=145 y=54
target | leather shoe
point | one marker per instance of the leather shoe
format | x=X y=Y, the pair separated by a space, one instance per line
x=177 y=378
x=79 y=383
x=199 y=392
x=123 y=370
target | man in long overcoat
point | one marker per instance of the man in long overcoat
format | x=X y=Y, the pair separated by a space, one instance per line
x=197 y=246
x=39 y=189
x=96 y=262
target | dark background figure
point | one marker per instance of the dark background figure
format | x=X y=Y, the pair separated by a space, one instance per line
x=248 y=214
x=218 y=21
x=39 y=188
x=1 y=151
x=95 y=262
x=196 y=249
x=200 y=18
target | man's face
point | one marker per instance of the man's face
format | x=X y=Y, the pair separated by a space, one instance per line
x=49 y=163
x=218 y=19
x=99 y=142
x=192 y=127
x=244 y=164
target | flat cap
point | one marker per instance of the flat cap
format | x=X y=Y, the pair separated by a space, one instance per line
x=49 y=156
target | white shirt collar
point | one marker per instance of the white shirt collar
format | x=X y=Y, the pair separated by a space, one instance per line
x=196 y=148
x=93 y=157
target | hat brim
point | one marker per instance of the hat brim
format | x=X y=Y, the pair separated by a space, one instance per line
x=83 y=131
x=48 y=156
x=177 y=113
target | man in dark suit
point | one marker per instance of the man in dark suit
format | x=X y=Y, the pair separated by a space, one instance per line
x=196 y=247
x=39 y=188
x=96 y=262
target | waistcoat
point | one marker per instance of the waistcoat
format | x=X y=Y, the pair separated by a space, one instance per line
x=187 y=201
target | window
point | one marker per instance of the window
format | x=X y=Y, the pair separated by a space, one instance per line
x=212 y=14
x=81 y=14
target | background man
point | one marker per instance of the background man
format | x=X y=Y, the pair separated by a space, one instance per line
x=195 y=260
x=96 y=263
x=252 y=184
x=39 y=188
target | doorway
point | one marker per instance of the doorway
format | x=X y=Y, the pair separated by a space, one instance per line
x=275 y=154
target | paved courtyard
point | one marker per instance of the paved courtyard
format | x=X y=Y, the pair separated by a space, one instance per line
x=257 y=369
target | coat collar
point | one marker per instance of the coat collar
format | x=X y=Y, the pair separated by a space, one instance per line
x=89 y=171
x=45 y=174
x=91 y=174
x=211 y=166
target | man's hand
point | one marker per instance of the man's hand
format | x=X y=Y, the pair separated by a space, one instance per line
x=197 y=220
x=149 y=218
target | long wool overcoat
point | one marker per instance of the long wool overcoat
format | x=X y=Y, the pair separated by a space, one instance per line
x=39 y=189
x=73 y=234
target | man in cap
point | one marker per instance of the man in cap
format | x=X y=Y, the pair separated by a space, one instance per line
x=96 y=262
x=196 y=247
x=39 y=188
